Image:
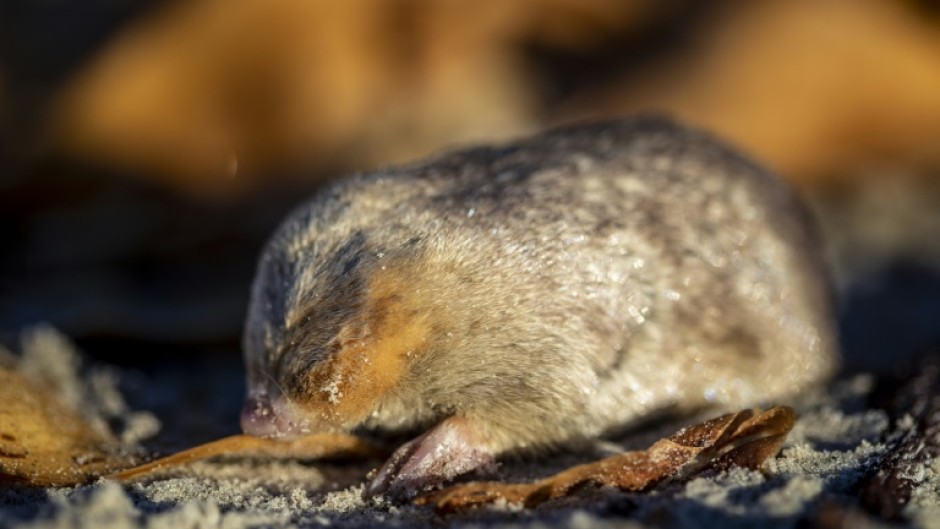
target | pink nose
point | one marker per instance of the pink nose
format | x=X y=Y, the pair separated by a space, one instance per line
x=263 y=417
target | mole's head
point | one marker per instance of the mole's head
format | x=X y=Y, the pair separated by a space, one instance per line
x=326 y=344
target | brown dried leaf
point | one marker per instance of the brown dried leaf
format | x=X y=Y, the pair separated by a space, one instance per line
x=43 y=443
x=315 y=446
x=746 y=438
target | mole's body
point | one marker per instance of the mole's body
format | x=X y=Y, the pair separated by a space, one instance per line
x=533 y=294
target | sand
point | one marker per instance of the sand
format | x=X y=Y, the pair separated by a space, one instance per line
x=836 y=443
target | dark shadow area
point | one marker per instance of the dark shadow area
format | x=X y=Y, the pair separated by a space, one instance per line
x=888 y=321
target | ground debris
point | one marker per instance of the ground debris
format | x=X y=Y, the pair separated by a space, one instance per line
x=915 y=407
x=314 y=446
x=45 y=443
x=746 y=438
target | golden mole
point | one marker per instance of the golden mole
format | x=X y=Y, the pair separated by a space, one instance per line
x=524 y=296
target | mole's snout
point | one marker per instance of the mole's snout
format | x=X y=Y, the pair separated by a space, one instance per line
x=257 y=417
x=265 y=417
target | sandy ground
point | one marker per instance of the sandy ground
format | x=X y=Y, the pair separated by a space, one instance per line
x=836 y=443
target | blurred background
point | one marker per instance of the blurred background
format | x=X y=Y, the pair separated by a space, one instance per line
x=148 y=147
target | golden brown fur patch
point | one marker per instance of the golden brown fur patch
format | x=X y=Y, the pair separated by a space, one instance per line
x=371 y=354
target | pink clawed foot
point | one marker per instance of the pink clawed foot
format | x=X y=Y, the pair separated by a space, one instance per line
x=451 y=449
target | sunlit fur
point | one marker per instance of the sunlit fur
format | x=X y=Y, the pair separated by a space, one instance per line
x=548 y=290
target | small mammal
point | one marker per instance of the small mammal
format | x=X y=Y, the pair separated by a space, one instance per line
x=533 y=294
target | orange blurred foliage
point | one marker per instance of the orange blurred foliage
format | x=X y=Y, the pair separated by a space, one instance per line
x=280 y=83
x=817 y=89
x=820 y=90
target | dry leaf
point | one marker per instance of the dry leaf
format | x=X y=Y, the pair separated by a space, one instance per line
x=44 y=443
x=746 y=438
x=315 y=446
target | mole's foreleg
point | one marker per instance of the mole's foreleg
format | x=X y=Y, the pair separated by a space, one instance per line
x=455 y=447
